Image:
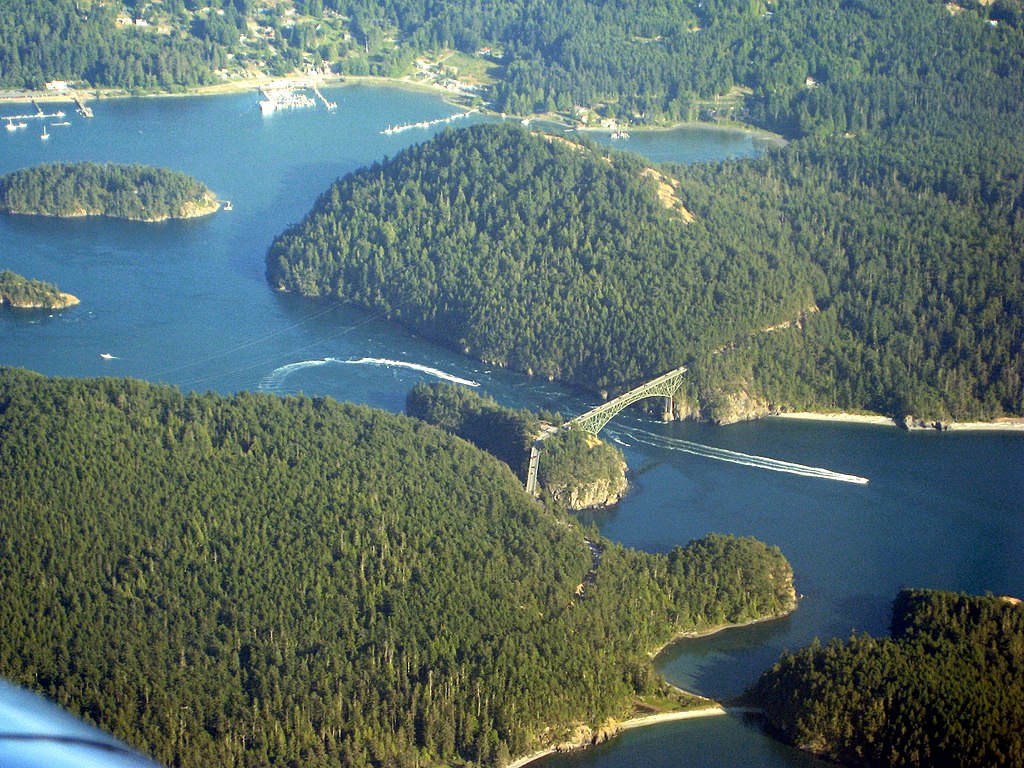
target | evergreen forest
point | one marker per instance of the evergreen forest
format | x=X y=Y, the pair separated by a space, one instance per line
x=138 y=192
x=250 y=580
x=503 y=432
x=946 y=688
x=82 y=42
x=804 y=278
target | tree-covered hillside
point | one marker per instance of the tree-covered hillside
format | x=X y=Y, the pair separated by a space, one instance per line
x=539 y=255
x=42 y=40
x=947 y=688
x=803 y=66
x=258 y=581
x=503 y=432
x=808 y=278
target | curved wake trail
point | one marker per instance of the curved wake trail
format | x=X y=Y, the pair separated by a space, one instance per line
x=745 y=459
x=275 y=378
x=436 y=372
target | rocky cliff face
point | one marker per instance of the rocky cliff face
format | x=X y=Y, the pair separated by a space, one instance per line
x=721 y=407
x=738 y=405
x=602 y=492
x=584 y=736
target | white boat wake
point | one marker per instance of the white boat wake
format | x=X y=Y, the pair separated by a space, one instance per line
x=744 y=459
x=436 y=372
x=278 y=375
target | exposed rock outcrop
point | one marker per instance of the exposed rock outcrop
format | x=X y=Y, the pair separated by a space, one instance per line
x=737 y=405
x=601 y=492
x=58 y=301
x=580 y=471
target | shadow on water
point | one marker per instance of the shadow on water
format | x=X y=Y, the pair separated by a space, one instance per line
x=722 y=741
x=722 y=665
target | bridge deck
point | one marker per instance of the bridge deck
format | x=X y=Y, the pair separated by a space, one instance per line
x=665 y=385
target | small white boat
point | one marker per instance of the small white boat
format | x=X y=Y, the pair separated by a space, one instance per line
x=107 y=356
x=44 y=135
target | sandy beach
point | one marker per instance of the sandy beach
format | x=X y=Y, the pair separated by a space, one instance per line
x=1005 y=424
x=636 y=722
x=667 y=717
x=850 y=418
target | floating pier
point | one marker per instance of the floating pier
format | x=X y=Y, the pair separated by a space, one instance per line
x=38 y=115
x=425 y=123
x=328 y=104
x=83 y=109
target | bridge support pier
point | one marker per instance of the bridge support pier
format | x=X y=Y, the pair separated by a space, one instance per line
x=669 y=414
x=531 y=473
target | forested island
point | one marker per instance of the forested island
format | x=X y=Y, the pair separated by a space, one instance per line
x=946 y=688
x=23 y=293
x=576 y=470
x=254 y=580
x=794 y=286
x=134 y=192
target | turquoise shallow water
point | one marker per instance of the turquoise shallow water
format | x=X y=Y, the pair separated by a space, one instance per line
x=186 y=303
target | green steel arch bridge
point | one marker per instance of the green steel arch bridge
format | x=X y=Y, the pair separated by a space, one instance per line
x=596 y=419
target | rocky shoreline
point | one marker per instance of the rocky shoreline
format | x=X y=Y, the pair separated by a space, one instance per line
x=190 y=210
x=59 y=301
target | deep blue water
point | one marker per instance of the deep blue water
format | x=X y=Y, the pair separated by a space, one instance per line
x=186 y=303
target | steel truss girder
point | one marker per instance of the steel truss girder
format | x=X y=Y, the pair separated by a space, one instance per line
x=594 y=420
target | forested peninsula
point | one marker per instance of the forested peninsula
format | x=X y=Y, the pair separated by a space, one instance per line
x=252 y=580
x=134 y=192
x=23 y=293
x=947 y=688
x=576 y=470
x=791 y=282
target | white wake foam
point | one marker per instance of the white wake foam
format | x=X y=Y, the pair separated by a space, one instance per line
x=744 y=459
x=436 y=372
x=275 y=378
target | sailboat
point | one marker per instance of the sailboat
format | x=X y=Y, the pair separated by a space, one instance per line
x=44 y=135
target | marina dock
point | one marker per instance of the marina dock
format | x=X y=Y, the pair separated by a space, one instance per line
x=283 y=98
x=83 y=109
x=425 y=123
x=39 y=114
x=328 y=104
